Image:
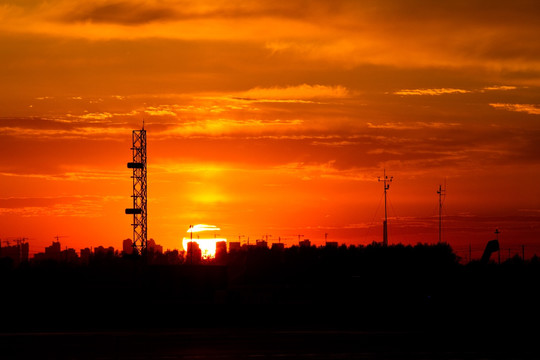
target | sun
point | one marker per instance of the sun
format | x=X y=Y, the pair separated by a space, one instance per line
x=206 y=244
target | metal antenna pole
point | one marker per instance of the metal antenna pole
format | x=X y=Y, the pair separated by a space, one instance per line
x=386 y=184
x=139 y=209
x=441 y=192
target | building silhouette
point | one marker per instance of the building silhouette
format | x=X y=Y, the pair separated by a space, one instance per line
x=52 y=252
x=85 y=255
x=304 y=243
x=261 y=244
x=234 y=246
x=221 y=252
x=127 y=247
x=153 y=247
x=17 y=253
x=55 y=253
x=101 y=251
x=193 y=253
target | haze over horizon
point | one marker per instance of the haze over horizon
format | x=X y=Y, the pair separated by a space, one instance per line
x=271 y=118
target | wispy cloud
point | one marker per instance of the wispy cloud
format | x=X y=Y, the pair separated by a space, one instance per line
x=412 y=125
x=120 y=12
x=500 y=87
x=526 y=108
x=440 y=91
x=221 y=127
x=70 y=176
x=56 y=206
x=75 y=133
x=445 y=91
x=297 y=92
x=323 y=170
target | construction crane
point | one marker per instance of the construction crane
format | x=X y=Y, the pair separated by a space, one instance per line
x=240 y=237
x=21 y=241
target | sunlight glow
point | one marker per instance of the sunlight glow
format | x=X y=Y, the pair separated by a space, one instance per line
x=207 y=245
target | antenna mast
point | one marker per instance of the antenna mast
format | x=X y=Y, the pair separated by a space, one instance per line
x=139 y=209
x=386 y=183
x=442 y=193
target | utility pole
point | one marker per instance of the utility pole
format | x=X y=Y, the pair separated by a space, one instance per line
x=442 y=193
x=386 y=183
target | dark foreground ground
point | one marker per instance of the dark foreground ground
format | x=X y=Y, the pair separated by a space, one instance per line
x=81 y=329
x=399 y=303
x=266 y=343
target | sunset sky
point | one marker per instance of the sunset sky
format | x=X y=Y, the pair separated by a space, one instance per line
x=271 y=118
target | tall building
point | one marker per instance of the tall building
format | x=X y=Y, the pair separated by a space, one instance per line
x=127 y=246
x=221 y=251
x=193 y=253
x=52 y=252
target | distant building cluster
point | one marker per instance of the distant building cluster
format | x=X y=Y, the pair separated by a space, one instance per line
x=19 y=253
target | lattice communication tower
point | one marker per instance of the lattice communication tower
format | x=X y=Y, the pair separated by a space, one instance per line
x=139 y=209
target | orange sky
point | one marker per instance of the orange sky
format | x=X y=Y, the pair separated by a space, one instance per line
x=271 y=118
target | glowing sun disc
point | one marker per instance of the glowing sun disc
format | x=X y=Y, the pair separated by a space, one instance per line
x=207 y=246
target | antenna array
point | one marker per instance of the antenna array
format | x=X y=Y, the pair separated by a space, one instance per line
x=386 y=183
x=442 y=194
